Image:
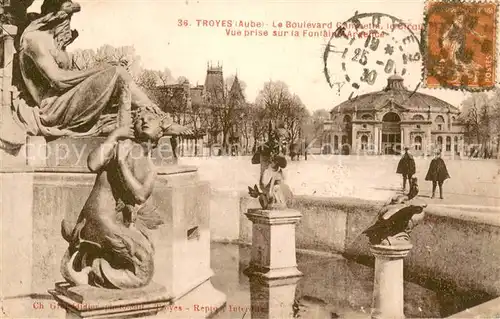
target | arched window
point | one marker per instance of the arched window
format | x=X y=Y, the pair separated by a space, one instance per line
x=448 y=144
x=364 y=142
x=391 y=117
x=344 y=139
x=439 y=122
x=417 y=117
x=418 y=143
x=439 y=141
x=455 y=147
x=329 y=139
x=346 y=123
x=335 y=142
x=367 y=117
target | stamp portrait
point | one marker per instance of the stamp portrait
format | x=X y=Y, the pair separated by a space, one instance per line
x=460 y=45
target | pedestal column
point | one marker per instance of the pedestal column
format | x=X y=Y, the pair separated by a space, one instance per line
x=429 y=139
x=380 y=150
x=272 y=299
x=273 y=243
x=402 y=138
x=388 y=300
x=453 y=153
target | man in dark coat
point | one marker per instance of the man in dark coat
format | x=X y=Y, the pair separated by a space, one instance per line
x=406 y=167
x=437 y=173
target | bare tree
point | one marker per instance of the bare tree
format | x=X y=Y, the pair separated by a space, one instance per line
x=124 y=56
x=474 y=111
x=274 y=98
x=148 y=80
x=181 y=79
x=251 y=125
x=313 y=126
x=225 y=107
x=281 y=106
x=259 y=123
x=294 y=116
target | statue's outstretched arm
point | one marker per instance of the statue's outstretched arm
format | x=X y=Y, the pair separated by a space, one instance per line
x=141 y=191
x=101 y=156
x=59 y=78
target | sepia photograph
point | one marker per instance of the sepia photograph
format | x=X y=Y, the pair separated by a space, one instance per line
x=248 y=159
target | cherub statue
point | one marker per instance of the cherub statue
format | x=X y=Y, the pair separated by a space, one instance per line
x=273 y=192
x=109 y=246
x=397 y=218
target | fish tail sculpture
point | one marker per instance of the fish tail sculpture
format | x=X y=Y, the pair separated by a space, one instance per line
x=123 y=259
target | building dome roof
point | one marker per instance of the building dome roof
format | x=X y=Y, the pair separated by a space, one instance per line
x=396 y=94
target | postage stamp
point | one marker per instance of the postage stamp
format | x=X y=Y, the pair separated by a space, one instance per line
x=460 y=45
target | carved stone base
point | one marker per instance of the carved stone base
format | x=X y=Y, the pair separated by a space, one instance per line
x=273 y=244
x=91 y=302
x=388 y=298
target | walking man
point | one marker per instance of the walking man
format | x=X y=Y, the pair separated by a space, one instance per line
x=406 y=167
x=437 y=173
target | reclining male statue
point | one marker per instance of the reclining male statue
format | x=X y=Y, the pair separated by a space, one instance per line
x=69 y=101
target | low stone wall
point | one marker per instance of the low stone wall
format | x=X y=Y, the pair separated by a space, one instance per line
x=454 y=249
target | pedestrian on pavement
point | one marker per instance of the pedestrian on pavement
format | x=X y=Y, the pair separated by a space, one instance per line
x=437 y=173
x=406 y=167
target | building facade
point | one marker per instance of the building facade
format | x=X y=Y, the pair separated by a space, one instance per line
x=386 y=121
x=205 y=109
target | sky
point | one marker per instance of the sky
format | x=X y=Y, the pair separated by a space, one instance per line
x=152 y=27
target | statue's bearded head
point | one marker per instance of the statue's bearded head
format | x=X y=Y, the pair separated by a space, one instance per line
x=62 y=31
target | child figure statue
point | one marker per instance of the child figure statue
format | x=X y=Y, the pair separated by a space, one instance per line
x=273 y=192
x=109 y=245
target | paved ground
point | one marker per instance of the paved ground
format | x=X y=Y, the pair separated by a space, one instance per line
x=473 y=182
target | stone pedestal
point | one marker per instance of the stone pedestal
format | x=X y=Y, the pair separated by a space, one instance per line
x=273 y=243
x=388 y=297
x=272 y=299
x=91 y=302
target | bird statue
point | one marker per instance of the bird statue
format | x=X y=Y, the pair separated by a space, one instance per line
x=397 y=218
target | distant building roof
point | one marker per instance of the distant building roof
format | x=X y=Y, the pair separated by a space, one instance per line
x=395 y=92
x=214 y=83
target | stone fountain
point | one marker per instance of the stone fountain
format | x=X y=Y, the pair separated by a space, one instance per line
x=69 y=145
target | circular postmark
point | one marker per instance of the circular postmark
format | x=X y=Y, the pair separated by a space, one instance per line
x=368 y=48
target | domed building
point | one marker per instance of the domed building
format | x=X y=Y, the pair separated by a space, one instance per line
x=386 y=121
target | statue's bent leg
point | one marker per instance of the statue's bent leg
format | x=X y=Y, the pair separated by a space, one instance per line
x=138 y=96
x=80 y=108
